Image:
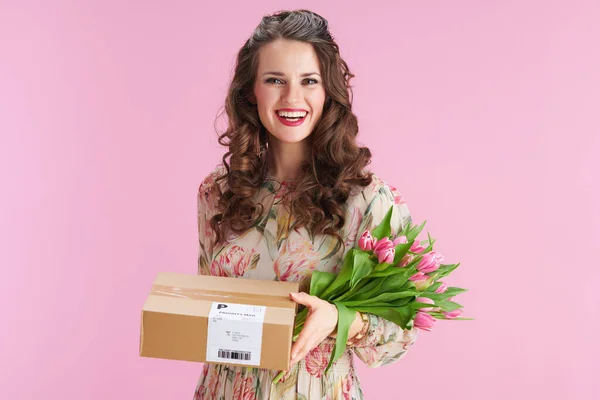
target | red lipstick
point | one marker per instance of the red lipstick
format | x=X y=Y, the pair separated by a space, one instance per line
x=286 y=121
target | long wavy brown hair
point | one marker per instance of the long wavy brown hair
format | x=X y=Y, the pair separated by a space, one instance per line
x=336 y=164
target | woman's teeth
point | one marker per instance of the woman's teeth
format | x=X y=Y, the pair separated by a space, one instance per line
x=292 y=116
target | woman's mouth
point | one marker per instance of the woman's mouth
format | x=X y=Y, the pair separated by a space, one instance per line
x=291 y=118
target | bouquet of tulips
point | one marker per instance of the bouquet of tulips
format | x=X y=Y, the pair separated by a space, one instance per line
x=398 y=279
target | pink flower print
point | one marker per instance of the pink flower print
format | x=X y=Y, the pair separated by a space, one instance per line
x=296 y=260
x=316 y=361
x=213 y=382
x=398 y=198
x=234 y=261
x=347 y=387
x=209 y=194
x=199 y=393
x=243 y=387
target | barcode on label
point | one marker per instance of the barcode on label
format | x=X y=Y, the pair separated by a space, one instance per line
x=234 y=355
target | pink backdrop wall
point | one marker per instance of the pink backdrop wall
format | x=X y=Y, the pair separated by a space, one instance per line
x=484 y=114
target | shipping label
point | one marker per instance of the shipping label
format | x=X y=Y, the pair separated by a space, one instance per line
x=235 y=333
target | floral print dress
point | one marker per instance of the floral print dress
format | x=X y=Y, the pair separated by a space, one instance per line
x=269 y=251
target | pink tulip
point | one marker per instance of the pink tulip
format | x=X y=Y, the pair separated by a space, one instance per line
x=367 y=241
x=383 y=244
x=424 y=321
x=442 y=289
x=417 y=247
x=430 y=262
x=417 y=277
x=400 y=240
x=453 y=314
x=423 y=284
x=386 y=256
x=406 y=260
x=384 y=251
x=425 y=300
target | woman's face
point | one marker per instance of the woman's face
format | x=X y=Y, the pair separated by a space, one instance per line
x=288 y=90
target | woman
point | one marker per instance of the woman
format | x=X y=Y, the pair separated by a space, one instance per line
x=292 y=199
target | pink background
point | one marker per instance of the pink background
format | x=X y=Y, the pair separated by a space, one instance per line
x=484 y=114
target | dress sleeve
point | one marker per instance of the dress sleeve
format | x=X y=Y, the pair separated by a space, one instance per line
x=206 y=201
x=385 y=341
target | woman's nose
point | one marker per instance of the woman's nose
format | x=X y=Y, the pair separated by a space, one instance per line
x=292 y=94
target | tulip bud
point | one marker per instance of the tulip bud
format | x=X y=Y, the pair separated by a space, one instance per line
x=425 y=300
x=386 y=256
x=424 y=321
x=367 y=241
x=453 y=314
x=442 y=289
x=417 y=277
x=423 y=284
x=406 y=260
x=400 y=240
x=383 y=244
x=430 y=262
x=384 y=251
x=417 y=247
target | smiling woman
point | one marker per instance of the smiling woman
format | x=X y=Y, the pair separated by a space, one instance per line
x=290 y=199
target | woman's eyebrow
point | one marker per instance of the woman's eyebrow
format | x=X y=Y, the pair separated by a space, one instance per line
x=275 y=73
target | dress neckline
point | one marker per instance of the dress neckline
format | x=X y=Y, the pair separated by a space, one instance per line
x=285 y=182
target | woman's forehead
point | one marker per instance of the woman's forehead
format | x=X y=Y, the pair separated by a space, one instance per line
x=288 y=57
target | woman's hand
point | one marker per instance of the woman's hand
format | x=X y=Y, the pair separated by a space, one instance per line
x=320 y=323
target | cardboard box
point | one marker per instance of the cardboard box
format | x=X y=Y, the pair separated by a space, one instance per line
x=220 y=320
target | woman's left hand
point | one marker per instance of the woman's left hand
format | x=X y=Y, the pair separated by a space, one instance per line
x=320 y=323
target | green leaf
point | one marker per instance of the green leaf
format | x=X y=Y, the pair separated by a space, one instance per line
x=405 y=229
x=320 y=281
x=443 y=296
x=447 y=306
x=401 y=302
x=384 y=229
x=363 y=266
x=401 y=250
x=345 y=319
x=382 y=298
x=434 y=287
x=435 y=296
x=417 y=304
x=343 y=276
x=431 y=243
x=445 y=270
x=338 y=292
x=393 y=284
x=392 y=271
x=364 y=286
x=371 y=289
x=412 y=234
x=453 y=291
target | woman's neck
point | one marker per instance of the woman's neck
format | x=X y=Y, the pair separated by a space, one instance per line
x=284 y=160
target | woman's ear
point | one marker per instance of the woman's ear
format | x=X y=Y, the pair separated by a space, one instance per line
x=251 y=98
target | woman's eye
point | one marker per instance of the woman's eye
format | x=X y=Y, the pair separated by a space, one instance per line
x=274 y=80
x=311 y=81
